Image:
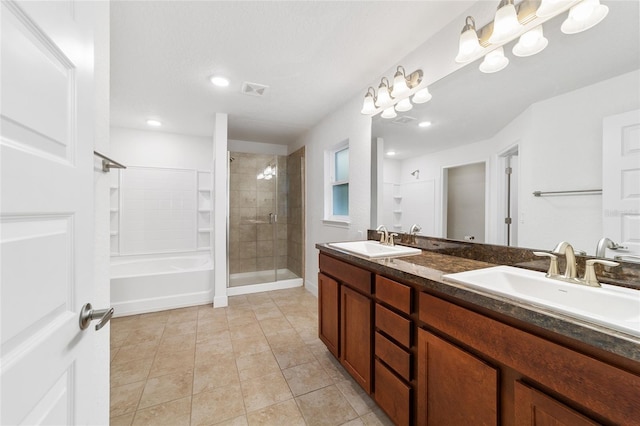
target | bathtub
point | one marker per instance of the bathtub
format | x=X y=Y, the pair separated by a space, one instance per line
x=148 y=283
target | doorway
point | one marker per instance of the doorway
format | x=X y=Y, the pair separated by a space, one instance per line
x=464 y=190
x=266 y=226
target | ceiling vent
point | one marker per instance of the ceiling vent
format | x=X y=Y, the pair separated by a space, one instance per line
x=253 y=89
x=404 y=119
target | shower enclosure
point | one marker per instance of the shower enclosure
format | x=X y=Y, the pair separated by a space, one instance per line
x=265 y=221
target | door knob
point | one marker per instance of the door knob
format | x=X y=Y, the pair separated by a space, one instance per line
x=88 y=314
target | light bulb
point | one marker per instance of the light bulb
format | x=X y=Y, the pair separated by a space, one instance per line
x=389 y=113
x=399 y=84
x=404 y=105
x=551 y=7
x=469 y=45
x=368 y=105
x=494 y=61
x=384 y=97
x=422 y=96
x=505 y=24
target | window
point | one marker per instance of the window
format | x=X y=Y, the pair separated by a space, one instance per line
x=337 y=189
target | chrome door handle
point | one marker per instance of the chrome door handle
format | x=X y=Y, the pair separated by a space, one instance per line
x=88 y=314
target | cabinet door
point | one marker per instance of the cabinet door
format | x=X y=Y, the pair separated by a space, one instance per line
x=534 y=408
x=355 y=337
x=328 y=313
x=454 y=387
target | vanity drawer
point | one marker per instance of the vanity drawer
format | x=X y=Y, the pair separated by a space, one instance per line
x=393 y=325
x=353 y=276
x=394 y=356
x=392 y=395
x=393 y=294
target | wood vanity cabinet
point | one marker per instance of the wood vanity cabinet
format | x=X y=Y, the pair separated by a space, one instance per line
x=345 y=314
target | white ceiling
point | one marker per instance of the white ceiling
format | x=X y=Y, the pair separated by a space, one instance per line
x=314 y=55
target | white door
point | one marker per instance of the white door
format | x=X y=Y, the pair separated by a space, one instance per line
x=46 y=142
x=621 y=183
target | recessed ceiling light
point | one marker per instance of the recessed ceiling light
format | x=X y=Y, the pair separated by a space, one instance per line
x=154 y=123
x=391 y=153
x=424 y=124
x=219 y=81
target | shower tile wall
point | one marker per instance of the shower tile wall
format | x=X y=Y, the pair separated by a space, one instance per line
x=251 y=237
x=295 y=223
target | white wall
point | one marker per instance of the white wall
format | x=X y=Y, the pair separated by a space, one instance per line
x=235 y=145
x=345 y=123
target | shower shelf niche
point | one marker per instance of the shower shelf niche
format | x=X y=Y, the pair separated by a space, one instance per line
x=204 y=210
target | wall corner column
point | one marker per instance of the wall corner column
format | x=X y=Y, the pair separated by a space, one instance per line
x=220 y=211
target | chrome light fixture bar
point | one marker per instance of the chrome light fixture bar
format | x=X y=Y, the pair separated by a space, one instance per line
x=391 y=99
x=524 y=21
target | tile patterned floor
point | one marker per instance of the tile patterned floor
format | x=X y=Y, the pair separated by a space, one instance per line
x=257 y=362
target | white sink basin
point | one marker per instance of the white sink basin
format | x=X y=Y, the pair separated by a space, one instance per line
x=612 y=306
x=375 y=250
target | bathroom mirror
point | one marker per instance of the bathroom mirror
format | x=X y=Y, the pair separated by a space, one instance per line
x=542 y=117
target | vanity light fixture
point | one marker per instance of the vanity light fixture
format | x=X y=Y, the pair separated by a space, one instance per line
x=583 y=16
x=390 y=99
x=530 y=43
x=219 y=81
x=505 y=24
x=494 y=61
x=154 y=123
x=524 y=21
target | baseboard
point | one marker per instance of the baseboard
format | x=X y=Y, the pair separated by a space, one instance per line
x=311 y=287
x=220 y=301
x=154 y=304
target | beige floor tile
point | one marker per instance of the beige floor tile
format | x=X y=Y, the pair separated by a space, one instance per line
x=332 y=366
x=264 y=391
x=283 y=413
x=151 y=333
x=357 y=397
x=129 y=372
x=178 y=343
x=212 y=335
x=309 y=335
x=125 y=420
x=166 y=388
x=250 y=346
x=238 y=421
x=183 y=314
x=133 y=352
x=176 y=328
x=173 y=413
x=267 y=312
x=288 y=337
x=245 y=331
x=238 y=301
x=376 y=418
x=209 y=313
x=217 y=405
x=118 y=337
x=325 y=406
x=220 y=372
x=290 y=356
x=158 y=317
x=275 y=325
x=180 y=362
x=113 y=353
x=205 y=352
x=305 y=378
x=354 y=422
x=212 y=324
x=256 y=365
x=125 y=398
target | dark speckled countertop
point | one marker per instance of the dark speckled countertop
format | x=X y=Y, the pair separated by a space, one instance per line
x=427 y=269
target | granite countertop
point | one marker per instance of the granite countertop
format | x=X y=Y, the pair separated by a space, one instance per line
x=427 y=269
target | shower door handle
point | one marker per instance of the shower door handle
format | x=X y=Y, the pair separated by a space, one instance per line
x=273 y=218
x=88 y=314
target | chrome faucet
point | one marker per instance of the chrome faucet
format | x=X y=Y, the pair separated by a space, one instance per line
x=566 y=249
x=384 y=234
x=411 y=237
x=604 y=244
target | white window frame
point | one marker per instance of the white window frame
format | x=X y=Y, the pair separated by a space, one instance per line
x=330 y=182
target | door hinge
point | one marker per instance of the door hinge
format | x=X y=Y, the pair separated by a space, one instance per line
x=508 y=170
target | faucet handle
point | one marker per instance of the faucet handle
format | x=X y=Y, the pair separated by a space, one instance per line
x=391 y=242
x=590 y=277
x=383 y=238
x=553 y=264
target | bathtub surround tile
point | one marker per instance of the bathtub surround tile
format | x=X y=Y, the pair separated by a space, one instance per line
x=173 y=413
x=231 y=382
x=166 y=388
